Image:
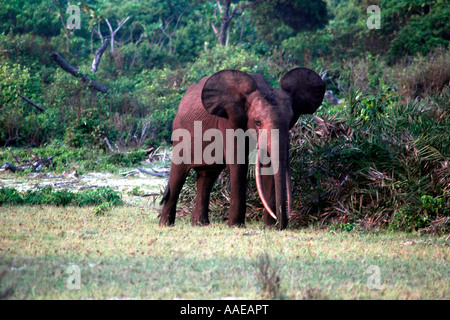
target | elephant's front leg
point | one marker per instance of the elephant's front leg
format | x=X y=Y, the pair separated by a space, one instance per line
x=238 y=184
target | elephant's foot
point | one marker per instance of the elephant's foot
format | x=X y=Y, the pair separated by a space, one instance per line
x=166 y=221
x=199 y=221
x=269 y=221
x=275 y=226
x=233 y=222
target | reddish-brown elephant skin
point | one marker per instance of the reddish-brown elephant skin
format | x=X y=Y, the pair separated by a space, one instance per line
x=232 y=99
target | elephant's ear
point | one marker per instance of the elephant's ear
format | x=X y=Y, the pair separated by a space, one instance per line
x=225 y=94
x=307 y=90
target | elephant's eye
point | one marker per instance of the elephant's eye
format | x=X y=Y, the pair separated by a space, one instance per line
x=258 y=123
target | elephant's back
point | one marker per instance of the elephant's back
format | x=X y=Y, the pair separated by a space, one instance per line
x=191 y=109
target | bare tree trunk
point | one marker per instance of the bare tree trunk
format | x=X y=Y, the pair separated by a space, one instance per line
x=224 y=31
x=98 y=54
x=113 y=33
x=225 y=22
x=98 y=32
x=67 y=32
x=92 y=41
x=170 y=35
x=135 y=51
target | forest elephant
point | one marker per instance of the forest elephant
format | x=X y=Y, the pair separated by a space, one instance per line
x=217 y=120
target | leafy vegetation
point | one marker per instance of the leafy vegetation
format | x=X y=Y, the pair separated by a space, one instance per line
x=380 y=158
x=104 y=196
x=162 y=49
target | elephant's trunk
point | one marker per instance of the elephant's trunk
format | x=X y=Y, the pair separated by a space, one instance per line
x=289 y=186
x=283 y=184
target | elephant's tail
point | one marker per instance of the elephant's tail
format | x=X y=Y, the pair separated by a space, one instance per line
x=166 y=195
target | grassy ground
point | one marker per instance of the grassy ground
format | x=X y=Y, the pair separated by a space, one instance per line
x=45 y=250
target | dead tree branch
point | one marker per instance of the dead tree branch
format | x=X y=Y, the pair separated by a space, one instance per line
x=33 y=156
x=13 y=155
x=109 y=144
x=74 y=71
x=170 y=35
x=41 y=109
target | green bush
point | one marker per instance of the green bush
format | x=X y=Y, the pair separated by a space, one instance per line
x=125 y=159
x=49 y=196
x=18 y=119
x=10 y=196
x=426 y=29
x=91 y=124
x=97 y=197
x=161 y=91
x=220 y=58
x=381 y=161
x=413 y=218
x=344 y=227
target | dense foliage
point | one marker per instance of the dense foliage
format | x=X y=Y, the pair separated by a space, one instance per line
x=62 y=197
x=380 y=157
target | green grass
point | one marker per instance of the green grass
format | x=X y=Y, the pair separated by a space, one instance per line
x=124 y=254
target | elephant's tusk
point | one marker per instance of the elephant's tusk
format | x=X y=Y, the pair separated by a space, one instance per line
x=260 y=189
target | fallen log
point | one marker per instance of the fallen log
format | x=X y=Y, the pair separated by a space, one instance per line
x=153 y=173
x=163 y=170
x=9 y=166
x=154 y=156
x=40 y=163
x=129 y=173
x=36 y=164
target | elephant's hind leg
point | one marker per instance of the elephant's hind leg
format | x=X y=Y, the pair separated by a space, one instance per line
x=205 y=182
x=178 y=174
